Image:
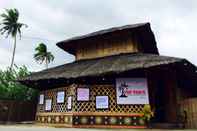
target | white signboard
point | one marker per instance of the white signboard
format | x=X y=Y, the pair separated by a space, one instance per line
x=41 y=99
x=69 y=104
x=60 y=97
x=83 y=94
x=132 y=91
x=102 y=102
x=48 y=104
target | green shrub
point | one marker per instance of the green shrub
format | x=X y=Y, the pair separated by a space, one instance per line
x=10 y=89
x=147 y=113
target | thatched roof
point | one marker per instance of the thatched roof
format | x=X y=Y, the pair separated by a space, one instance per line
x=101 y=66
x=142 y=30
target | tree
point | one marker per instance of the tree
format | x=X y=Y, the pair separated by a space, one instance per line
x=42 y=55
x=12 y=90
x=12 y=27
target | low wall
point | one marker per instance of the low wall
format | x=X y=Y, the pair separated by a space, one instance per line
x=91 y=120
x=17 y=111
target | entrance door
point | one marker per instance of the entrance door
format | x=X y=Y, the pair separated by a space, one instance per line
x=160 y=101
x=165 y=97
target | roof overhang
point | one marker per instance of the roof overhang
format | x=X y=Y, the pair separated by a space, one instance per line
x=106 y=66
x=142 y=30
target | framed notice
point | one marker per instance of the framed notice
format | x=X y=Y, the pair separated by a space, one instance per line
x=102 y=102
x=69 y=103
x=132 y=91
x=83 y=94
x=48 y=104
x=41 y=99
x=60 y=96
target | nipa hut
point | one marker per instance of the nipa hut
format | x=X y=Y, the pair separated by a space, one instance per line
x=116 y=73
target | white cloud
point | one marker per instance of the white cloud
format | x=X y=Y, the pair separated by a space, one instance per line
x=173 y=23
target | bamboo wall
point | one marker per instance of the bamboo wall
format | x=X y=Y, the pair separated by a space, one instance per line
x=85 y=114
x=106 y=48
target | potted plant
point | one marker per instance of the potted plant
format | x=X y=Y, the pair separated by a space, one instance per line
x=147 y=115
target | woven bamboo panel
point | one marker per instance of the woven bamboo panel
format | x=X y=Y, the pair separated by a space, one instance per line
x=89 y=106
x=52 y=94
x=109 y=90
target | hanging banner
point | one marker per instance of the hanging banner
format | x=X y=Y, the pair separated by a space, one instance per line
x=83 y=94
x=60 y=97
x=132 y=91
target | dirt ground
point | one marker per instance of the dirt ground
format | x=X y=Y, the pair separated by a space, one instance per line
x=31 y=127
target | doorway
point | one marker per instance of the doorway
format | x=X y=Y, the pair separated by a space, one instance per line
x=160 y=101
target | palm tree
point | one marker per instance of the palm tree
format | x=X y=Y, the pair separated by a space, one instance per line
x=42 y=55
x=12 y=27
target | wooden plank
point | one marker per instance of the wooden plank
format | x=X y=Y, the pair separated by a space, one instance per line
x=16 y=111
x=89 y=114
x=190 y=106
x=53 y=113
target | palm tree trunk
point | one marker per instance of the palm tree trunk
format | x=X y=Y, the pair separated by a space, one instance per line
x=13 y=54
x=46 y=63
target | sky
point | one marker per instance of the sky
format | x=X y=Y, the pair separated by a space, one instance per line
x=172 y=21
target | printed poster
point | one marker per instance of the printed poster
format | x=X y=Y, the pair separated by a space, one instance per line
x=41 y=99
x=102 y=102
x=60 y=97
x=83 y=94
x=69 y=102
x=132 y=91
x=48 y=104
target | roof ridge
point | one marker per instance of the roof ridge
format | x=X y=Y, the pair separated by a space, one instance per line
x=104 y=31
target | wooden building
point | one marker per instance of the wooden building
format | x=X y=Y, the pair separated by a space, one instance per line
x=116 y=72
